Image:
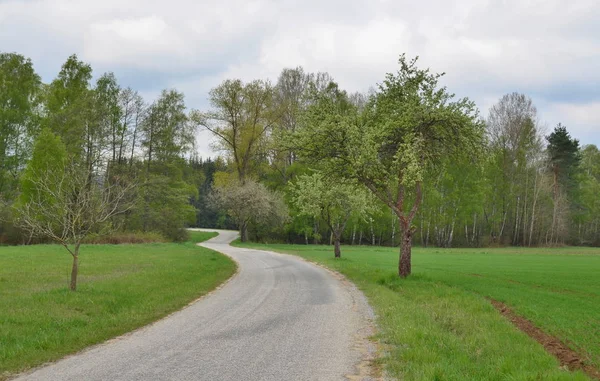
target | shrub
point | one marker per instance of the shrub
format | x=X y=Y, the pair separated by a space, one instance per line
x=119 y=238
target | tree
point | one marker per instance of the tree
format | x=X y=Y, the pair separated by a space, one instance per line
x=250 y=203
x=588 y=222
x=19 y=96
x=241 y=117
x=564 y=159
x=163 y=201
x=68 y=102
x=132 y=117
x=61 y=202
x=514 y=147
x=409 y=124
x=167 y=133
x=332 y=200
x=108 y=108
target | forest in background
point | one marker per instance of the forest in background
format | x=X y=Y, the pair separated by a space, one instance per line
x=513 y=183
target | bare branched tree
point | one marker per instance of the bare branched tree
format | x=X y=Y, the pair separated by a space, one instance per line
x=66 y=206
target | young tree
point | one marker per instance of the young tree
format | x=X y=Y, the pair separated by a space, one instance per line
x=409 y=124
x=250 y=203
x=60 y=201
x=332 y=200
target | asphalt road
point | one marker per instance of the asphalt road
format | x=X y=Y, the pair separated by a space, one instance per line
x=279 y=318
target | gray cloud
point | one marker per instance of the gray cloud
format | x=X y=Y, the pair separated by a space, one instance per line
x=548 y=49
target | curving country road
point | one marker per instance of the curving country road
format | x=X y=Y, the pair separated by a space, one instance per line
x=278 y=318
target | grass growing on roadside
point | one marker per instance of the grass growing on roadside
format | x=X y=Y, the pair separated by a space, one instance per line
x=198 y=236
x=120 y=288
x=439 y=324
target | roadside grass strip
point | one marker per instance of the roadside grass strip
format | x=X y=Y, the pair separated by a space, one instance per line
x=121 y=288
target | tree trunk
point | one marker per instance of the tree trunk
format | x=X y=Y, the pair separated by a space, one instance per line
x=75 y=268
x=404 y=265
x=244 y=231
x=372 y=233
x=535 y=198
x=336 y=248
x=394 y=229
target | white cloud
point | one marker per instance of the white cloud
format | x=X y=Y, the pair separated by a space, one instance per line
x=548 y=49
x=146 y=42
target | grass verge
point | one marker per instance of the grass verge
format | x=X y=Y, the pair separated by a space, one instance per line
x=439 y=324
x=198 y=236
x=121 y=288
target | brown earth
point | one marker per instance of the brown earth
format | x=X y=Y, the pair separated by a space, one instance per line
x=565 y=355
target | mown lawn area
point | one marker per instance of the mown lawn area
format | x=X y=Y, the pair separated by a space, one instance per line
x=440 y=325
x=120 y=288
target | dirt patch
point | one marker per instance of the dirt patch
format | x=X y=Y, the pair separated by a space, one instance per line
x=566 y=356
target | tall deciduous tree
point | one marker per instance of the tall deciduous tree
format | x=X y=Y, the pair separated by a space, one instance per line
x=133 y=111
x=515 y=145
x=109 y=113
x=167 y=135
x=19 y=96
x=68 y=104
x=241 y=118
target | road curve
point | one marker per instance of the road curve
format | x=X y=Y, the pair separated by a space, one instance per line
x=278 y=318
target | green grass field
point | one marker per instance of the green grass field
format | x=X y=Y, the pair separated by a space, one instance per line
x=121 y=287
x=439 y=324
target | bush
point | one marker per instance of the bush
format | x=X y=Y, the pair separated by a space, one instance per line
x=120 y=238
x=12 y=235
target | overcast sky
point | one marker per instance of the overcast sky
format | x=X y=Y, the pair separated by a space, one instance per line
x=547 y=49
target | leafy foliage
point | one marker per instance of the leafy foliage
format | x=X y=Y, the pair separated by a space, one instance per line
x=250 y=203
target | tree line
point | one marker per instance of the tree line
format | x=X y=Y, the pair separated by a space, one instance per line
x=300 y=160
x=103 y=133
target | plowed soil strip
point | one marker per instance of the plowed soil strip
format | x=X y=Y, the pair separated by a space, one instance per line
x=566 y=356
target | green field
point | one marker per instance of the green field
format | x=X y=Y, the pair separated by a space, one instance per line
x=439 y=324
x=121 y=287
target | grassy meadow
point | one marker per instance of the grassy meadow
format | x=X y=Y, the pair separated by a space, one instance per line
x=439 y=324
x=120 y=288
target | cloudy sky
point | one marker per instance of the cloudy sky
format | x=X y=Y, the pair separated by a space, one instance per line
x=547 y=49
